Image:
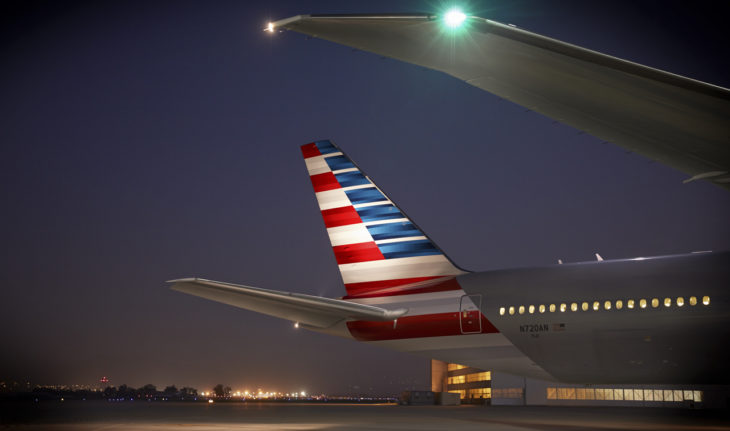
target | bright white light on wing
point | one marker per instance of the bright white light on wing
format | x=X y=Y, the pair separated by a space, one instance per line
x=454 y=18
x=270 y=27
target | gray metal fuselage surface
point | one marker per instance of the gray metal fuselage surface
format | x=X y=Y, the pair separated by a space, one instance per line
x=596 y=335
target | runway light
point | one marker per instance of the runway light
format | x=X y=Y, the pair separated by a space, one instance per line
x=296 y=325
x=454 y=18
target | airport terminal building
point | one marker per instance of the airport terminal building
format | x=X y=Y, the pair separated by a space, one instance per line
x=476 y=386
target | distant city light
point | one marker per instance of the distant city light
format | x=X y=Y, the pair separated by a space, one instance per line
x=454 y=18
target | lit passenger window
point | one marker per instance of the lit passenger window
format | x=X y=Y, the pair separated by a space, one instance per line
x=619 y=304
x=607 y=305
x=542 y=308
x=531 y=309
x=667 y=302
x=680 y=301
x=574 y=307
x=706 y=300
x=692 y=300
x=584 y=306
x=642 y=303
x=501 y=311
x=563 y=307
x=522 y=309
x=654 y=303
x=552 y=308
x=596 y=305
x=512 y=310
x=630 y=303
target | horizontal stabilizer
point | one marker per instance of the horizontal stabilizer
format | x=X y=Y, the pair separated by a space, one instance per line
x=309 y=310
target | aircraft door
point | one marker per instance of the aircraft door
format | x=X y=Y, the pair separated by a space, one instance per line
x=469 y=314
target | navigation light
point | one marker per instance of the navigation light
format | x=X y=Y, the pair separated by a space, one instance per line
x=454 y=18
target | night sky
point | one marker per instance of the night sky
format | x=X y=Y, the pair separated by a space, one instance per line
x=147 y=141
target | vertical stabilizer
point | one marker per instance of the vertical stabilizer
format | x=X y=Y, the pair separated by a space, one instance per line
x=376 y=245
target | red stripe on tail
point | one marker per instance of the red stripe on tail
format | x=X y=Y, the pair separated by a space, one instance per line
x=310 y=150
x=324 y=182
x=402 y=286
x=340 y=216
x=353 y=253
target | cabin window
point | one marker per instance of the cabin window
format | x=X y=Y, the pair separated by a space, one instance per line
x=619 y=304
x=654 y=303
x=692 y=300
x=642 y=303
x=706 y=300
x=680 y=301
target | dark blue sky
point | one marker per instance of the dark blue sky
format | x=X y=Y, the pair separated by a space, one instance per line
x=146 y=141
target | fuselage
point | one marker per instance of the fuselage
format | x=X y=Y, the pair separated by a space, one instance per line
x=645 y=320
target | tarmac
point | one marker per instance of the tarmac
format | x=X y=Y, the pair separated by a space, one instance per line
x=157 y=416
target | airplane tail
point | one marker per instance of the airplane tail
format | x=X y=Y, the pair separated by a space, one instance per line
x=377 y=247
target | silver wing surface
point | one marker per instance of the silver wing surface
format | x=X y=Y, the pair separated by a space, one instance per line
x=678 y=121
x=309 y=310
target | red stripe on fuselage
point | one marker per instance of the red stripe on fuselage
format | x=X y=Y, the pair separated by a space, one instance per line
x=361 y=252
x=340 y=216
x=402 y=286
x=425 y=325
x=310 y=150
x=324 y=182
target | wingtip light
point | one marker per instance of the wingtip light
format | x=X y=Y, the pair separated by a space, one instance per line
x=454 y=18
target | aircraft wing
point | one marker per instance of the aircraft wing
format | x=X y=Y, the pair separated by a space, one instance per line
x=309 y=310
x=681 y=122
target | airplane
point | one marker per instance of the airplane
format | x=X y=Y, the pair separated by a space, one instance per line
x=680 y=122
x=656 y=320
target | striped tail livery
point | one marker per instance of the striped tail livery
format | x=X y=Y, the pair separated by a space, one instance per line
x=377 y=247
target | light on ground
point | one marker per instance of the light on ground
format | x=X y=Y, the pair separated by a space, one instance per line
x=454 y=18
